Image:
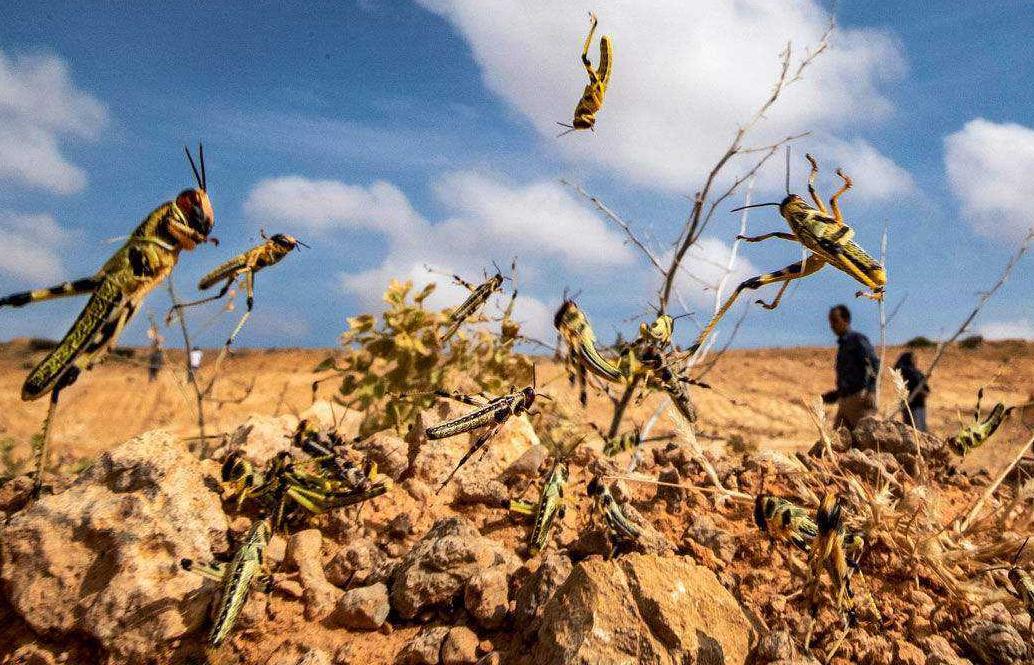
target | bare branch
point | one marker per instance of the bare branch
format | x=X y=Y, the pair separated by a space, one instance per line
x=984 y=297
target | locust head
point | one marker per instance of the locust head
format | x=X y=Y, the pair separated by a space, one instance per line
x=196 y=209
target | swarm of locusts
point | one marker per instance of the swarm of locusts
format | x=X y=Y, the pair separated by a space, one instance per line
x=323 y=472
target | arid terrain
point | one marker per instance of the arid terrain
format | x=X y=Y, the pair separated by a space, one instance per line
x=758 y=394
x=422 y=578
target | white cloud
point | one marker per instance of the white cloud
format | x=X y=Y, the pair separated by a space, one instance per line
x=40 y=106
x=686 y=75
x=703 y=268
x=1016 y=329
x=30 y=247
x=989 y=167
x=540 y=223
x=874 y=175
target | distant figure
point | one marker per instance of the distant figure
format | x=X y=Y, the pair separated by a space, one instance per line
x=157 y=357
x=195 y=358
x=906 y=364
x=856 y=368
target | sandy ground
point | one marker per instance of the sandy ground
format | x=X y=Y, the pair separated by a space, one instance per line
x=758 y=394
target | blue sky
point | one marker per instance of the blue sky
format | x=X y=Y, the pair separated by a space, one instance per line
x=387 y=135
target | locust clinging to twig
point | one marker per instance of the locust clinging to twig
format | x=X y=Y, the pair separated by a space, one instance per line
x=116 y=291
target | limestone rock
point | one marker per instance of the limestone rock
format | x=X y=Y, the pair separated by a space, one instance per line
x=642 y=608
x=388 y=451
x=304 y=552
x=362 y=608
x=459 y=647
x=436 y=570
x=102 y=558
x=487 y=597
x=424 y=649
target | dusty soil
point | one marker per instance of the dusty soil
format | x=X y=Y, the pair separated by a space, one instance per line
x=758 y=394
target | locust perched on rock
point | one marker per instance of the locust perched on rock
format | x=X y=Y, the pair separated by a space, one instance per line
x=489 y=416
x=784 y=521
x=592 y=98
x=237 y=578
x=116 y=291
x=824 y=234
x=548 y=510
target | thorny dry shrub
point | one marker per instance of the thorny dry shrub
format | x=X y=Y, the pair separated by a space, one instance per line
x=924 y=571
x=400 y=352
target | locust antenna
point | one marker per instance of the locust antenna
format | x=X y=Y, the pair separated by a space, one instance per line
x=755 y=205
x=302 y=243
x=571 y=128
x=201 y=158
x=197 y=176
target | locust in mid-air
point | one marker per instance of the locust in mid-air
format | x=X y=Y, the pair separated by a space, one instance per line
x=980 y=430
x=246 y=264
x=489 y=416
x=237 y=578
x=116 y=291
x=592 y=98
x=824 y=234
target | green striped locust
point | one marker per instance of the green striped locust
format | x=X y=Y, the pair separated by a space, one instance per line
x=148 y=257
x=548 y=510
x=592 y=98
x=575 y=330
x=980 y=430
x=237 y=578
x=479 y=295
x=489 y=416
x=620 y=530
x=246 y=264
x=824 y=234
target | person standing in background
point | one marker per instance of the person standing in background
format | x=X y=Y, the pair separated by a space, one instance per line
x=906 y=364
x=156 y=359
x=856 y=370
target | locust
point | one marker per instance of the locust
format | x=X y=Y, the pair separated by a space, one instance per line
x=489 y=416
x=824 y=234
x=620 y=530
x=246 y=264
x=479 y=295
x=322 y=447
x=592 y=97
x=784 y=521
x=1022 y=582
x=576 y=331
x=284 y=486
x=980 y=430
x=245 y=570
x=548 y=510
x=116 y=291
x=836 y=552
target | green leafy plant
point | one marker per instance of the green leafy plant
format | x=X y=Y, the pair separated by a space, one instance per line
x=399 y=352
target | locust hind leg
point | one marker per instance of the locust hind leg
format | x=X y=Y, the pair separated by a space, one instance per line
x=811 y=184
x=833 y=204
x=42 y=445
x=474 y=447
x=588 y=42
x=790 y=272
x=74 y=288
x=249 y=284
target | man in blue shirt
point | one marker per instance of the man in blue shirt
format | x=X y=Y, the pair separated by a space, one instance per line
x=856 y=369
